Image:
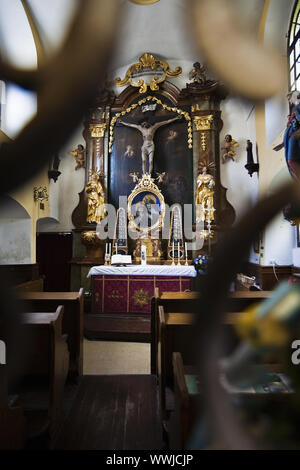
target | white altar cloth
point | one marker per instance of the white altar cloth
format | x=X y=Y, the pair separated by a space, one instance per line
x=147 y=270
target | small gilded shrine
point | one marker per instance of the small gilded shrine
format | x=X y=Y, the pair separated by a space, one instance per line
x=158 y=147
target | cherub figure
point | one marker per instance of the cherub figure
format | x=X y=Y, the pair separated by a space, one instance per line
x=79 y=155
x=229 y=143
x=198 y=73
x=160 y=177
x=134 y=176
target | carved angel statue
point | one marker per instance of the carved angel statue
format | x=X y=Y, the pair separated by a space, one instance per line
x=205 y=197
x=160 y=177
x=229 y=144
x=134 y=176
x=95 y=194
x=198 y=73
x=79 y=155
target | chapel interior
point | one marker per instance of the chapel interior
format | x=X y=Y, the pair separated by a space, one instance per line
x=149 y=225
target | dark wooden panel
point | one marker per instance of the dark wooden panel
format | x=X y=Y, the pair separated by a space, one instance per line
x=19 y=273
x=117 y=412
x=54 y=253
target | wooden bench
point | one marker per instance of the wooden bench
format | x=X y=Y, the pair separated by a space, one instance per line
x=190 y=302
x=72 y=323
x=44 y=373
x=37 y=285
x=12 y=421
x=176 y=333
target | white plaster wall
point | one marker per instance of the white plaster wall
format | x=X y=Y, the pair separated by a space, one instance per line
x=64 y=193
x=54 y=17
x=279 y=240
x=239 y=121
x=15 y=241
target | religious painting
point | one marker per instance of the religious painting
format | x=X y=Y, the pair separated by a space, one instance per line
x=152 y=139
x=146 y=208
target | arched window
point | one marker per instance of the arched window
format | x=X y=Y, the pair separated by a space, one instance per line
x=294 y=48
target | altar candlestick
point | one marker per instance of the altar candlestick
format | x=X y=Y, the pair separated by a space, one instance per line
x=116 y=248
x=185 y=246
x=178 y=259
x=106 y=248
x=173 y=262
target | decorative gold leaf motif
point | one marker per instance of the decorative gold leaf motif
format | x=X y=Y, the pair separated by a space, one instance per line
x=98 y=130
x=203 y=123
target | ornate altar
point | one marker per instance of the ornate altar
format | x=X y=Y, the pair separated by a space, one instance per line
x=150 y=144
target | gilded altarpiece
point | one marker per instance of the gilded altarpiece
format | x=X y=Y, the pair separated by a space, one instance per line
x=182 y=148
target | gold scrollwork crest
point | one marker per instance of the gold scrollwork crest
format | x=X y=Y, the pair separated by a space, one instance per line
x=203 y=123
x=147 y=61
x=97 y=130
x=158 y=101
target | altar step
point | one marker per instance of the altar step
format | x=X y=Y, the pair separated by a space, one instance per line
x=117 y=327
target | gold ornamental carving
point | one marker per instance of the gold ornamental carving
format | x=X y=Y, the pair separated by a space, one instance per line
x=98 y=130
x=203 y=123
x=185 y=114
x=147 y=61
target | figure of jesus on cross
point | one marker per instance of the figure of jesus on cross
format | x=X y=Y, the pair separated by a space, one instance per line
x=147 y=130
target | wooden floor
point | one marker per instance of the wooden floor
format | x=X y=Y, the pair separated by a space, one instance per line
x=113 y=412
x=117 y=327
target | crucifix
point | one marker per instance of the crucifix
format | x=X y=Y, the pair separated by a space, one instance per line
x=147 y=130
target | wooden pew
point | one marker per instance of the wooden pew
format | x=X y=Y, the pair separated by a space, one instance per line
x=190 y=302
x=44 y=375
x=72 y=323
x=12 y=421
x=176 y=333
x=37 y=285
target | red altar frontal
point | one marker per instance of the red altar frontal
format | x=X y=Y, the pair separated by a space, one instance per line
x=130 y=289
